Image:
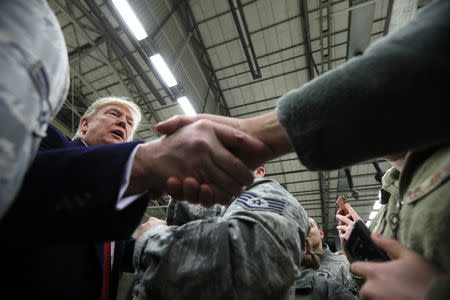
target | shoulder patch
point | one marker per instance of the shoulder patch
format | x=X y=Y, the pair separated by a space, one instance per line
x=251 y=201
x=428 y=185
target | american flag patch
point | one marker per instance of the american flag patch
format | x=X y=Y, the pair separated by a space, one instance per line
x=253 y=202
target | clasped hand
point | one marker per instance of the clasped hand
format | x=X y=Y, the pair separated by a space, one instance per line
x=191 y=159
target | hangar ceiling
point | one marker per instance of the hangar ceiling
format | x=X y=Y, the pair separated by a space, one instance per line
x=229 y=57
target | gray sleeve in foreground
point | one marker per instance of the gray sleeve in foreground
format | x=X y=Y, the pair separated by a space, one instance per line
x=388 y=100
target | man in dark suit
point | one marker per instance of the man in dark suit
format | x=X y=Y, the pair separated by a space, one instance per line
x=78 y=267
x=75 y=197
x=107 y=121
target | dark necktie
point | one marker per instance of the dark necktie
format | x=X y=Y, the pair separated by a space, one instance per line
x=106 y=271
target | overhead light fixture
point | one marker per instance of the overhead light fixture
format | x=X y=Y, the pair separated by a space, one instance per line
x=186 y=106
x=130 y=18
x=163 y=70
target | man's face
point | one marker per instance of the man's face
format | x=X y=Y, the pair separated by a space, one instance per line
x=111 y=124
x=315 y=235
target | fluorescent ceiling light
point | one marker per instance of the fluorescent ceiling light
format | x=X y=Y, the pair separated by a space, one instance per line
x=130 y=18
x=163 y=70
x=186 y=106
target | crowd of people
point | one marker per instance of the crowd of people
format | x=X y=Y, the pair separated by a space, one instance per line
x=68 y=208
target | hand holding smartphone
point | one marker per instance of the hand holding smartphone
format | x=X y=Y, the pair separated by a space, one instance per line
x=360 y=246
x=340 y=203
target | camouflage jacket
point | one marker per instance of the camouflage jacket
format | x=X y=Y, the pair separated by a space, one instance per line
x=33 y=86
x=252 y=252
x=335 y=267
x=182 y=212
x=417 y=210
x=423 y=215
x=311 y=286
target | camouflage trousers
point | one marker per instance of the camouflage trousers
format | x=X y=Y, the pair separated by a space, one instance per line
x=34 y=83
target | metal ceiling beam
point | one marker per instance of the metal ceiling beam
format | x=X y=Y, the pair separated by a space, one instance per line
x=387 y=21
x=304 y=21
x=245 y=37
x=221 y=98
x=255 y=102
x=87 y=83
x=111 y=34
x=272 y=77
x=360 y=26
x=284 y=60
x=362 y=188
x=368 y=202
x=329 y=30
x=91 y=41
x=223 y=13
x=269 y=26
x=145 y=51
x=165 y=19
x=323 y=192
x=291 y=47
x=86 y=48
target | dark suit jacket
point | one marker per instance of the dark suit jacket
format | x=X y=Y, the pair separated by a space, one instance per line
x=65 y=211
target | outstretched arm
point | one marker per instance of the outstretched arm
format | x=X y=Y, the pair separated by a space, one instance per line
x=204 y=152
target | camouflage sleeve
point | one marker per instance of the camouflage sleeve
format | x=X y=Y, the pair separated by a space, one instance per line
x=252 y=252
x=350 y=282
x=181 y=212
x=33 y=86
x=339 y=292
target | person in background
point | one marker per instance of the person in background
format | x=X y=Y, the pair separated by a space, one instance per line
x=313 y=287
x=332 y=266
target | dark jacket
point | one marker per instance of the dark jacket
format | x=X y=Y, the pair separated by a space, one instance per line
x=311 y=286
x=56 y=227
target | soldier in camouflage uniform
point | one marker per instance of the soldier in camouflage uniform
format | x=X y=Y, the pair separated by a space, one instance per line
x=419 y=217
x=332 y=266
x=312 y=287
x=33 y=86
x=252 y=252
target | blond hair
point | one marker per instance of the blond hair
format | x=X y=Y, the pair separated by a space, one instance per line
x=101 y=102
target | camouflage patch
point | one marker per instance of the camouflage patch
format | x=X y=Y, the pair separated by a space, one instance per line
x=429 y=185
x=251 y=201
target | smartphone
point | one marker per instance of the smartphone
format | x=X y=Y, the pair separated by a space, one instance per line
x=360 y=246
x=340 y=203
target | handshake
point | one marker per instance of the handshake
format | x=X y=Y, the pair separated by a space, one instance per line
x=206 y=159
